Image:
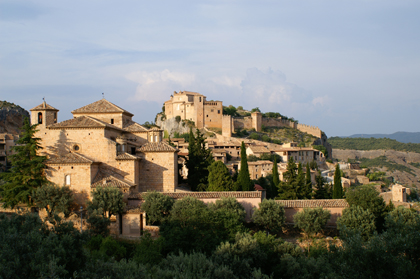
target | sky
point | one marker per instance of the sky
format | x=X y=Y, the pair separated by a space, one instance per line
x=345 y=66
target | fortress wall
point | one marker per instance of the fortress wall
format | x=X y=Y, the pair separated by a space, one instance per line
x=213 y=112
x=227 y=125
x=312 y=130
x=277 y=122
x=242 y=123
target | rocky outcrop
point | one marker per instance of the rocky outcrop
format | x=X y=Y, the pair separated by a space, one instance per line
x=324 y=141
x=172 y=125
x=11 y=117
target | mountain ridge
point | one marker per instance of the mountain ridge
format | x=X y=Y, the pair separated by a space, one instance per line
x=404 y=137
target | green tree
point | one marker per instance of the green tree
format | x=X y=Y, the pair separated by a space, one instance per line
x=320 y=191
x=288 y=188
x=338 y=188
x=230 y=214
x=107 y=201
x=275 y=173
x=401 y=217
x=300 y=182
x=27 y=171
x=269 y=215
x=199 y=159
x=312 y=220
x=368 y=198
x=157 y=207
x=219 y=178
x=244 y=180
x=307 y=189
x=357 y=219
x=53 y=198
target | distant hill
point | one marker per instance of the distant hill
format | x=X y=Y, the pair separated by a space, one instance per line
x=405 y=137
x=373 y=144
x=11 y=117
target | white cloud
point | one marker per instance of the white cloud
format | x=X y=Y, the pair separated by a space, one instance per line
x=158 y=86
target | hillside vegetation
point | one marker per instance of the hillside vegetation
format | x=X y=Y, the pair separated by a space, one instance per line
x=372 y=144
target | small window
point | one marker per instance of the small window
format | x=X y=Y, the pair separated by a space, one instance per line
x=133 y=150
x=156 y=139
x=112 y=120
x=200 y=99
x=39 y=117
x=207 y=115
x=76 y=147
x=67 y=180
x=55 y=117
x=151 y=138
x=218 y=111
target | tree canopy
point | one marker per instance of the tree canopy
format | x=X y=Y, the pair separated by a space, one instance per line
x=220 y=178
x=244 y=180
x=27 y=171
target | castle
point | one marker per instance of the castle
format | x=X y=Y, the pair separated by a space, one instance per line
x=101 y=145
x=194 y=107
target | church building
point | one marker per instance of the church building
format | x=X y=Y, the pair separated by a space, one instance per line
x=101 y=145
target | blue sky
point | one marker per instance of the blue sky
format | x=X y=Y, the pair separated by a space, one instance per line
x=345 y=66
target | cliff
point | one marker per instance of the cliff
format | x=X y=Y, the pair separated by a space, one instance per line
x=11 y=117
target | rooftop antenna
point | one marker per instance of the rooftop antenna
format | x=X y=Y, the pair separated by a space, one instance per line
x=103 y=95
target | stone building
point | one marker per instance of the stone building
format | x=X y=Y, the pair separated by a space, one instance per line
x=194 y=107
x=101 y=145
x=7 y=141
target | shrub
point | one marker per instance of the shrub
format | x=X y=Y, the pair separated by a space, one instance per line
x=53 y=198
x=157 y=207
x=269 y=215
x=178 y=118
x=106 y=200
x=312 y=220
x=355 y=219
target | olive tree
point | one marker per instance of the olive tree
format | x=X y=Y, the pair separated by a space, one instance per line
x=357 y=219
x=269 y=215
x=157 y=206
x=312 y=220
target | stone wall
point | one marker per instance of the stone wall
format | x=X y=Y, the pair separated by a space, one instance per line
x=157 y=172
x=242 y=123
x=335 y=206
x=227 y=125
x=213 y=114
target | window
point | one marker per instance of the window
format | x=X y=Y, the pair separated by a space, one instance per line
x=67 y=180
x=200 y=99
x=112 y=120
x=55 y=117
x=133 y=150
x=156 y=139
x=218 y=111
x=76 y=147
x=39 y=117
x=151 y=138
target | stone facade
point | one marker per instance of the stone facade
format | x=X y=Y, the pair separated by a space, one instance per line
x=7 y=141
x=101 y=145
x=194 y=107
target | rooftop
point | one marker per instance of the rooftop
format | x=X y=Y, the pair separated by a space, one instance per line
x=82 y=122
x=314 y=203
x=69 y=158
x=157 y=147
x=44 y=106
x=101 y=106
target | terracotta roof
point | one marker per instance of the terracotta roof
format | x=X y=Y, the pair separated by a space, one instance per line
x=203 y=195
x=69 y=158
x=258 y=187
x=44 y=106
x=126 y=156
x=157 y=147
x=262 y=162
x=259 y=149
x=314 y=203
x=101 y=106
x=82 y=122
x=108 y=178
x=134 y=127
x=155 y=129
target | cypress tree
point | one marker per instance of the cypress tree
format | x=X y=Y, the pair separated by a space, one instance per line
x=320 y=192
x=27 y=172
x=338 y=188
x=287 y=189
x=219 y=177
x=244 y=181
x=199 y=159
x=275 y=173
x=300 y=182
x=308 y=182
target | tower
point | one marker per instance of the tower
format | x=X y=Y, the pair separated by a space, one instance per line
x=43 y=115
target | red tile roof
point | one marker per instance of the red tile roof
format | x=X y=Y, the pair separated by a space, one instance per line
x=101 y=106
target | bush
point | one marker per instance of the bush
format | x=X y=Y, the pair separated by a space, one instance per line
x=148 y=251
x=98 y=224
x=266 y=138
x=254 y=136
x=312 y=220
x=106 y=200
x=269 y=215
x=401 y=217
x=355 y=219
x=157 y=207
x=53 y=198
x=178 y=118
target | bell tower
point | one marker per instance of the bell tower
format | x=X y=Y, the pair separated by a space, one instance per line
x=43 y=115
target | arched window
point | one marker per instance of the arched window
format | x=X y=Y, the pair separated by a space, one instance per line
x=67 y=181
x=39 y=117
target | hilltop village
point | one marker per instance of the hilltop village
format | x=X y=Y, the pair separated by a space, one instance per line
x=205 y=189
